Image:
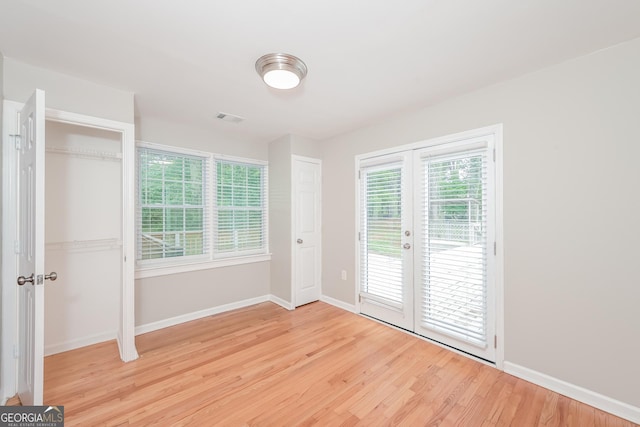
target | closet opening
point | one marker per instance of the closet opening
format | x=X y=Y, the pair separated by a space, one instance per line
x=83 y=235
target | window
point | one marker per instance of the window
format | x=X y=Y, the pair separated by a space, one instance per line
x=189 y=216
x=240 y=207
x=172 y=205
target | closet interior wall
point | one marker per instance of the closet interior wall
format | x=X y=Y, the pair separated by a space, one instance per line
x=83 y=229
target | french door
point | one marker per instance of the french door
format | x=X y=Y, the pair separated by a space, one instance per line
x=386 y=260
x=427 y=233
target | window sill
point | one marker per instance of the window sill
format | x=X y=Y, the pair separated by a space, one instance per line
x=143 y=272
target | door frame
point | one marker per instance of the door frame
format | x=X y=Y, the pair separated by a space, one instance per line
x=496 y=131
x=126 y=331
x=294 y=158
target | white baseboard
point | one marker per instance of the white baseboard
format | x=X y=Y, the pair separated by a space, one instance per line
x=154 y=326
x=77 y=343
x=172 y=321
x=597 y=400
x=338 y=303
x=282 y=303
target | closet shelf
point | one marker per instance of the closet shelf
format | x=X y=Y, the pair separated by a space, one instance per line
x=85 y=245
x=86 y=154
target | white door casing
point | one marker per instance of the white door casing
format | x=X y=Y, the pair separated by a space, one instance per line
x=31 y=251
x=126 y=331
x=306 y=194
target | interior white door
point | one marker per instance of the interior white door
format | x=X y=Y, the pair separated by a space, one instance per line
x=386 y=239
x=307 y=247
x=31 y=251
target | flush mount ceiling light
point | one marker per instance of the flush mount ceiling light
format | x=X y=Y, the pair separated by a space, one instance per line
x=281 y=70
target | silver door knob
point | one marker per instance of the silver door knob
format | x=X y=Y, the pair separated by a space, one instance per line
x=299 y=241
x=22 y=280
x=53 y=276
x=406 y=246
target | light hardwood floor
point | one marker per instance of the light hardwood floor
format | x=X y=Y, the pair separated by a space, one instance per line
x=267 y=366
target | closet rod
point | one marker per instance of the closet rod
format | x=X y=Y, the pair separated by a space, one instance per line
x=87 y=154
x=94 y=245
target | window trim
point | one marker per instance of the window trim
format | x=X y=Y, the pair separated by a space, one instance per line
x=175 y=265
x=185 y=267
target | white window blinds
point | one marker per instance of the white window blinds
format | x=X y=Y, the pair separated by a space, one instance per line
x=454 y=221
x=172 y=208
x=240 y=211
x=381 y=266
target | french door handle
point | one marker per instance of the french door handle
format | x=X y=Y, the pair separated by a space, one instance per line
x=299 y=241
x=22 y=280
x=53 y=276
x=406 y=246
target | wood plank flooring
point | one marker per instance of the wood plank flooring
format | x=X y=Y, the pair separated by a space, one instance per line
x=317 y=365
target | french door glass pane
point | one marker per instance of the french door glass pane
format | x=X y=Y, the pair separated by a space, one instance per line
x=382 y=269
x=455 y=245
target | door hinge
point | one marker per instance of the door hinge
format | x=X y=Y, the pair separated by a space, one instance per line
x=359 y=236
x=495 y=341
x=359 y=298
x=359 y=174
x=16 y=140
x=16 y=246
x=494 y=155
x=495 y=248
x=16 y=352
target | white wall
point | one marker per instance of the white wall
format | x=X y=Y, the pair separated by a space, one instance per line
x=306 y=147
x=164 y=131
x=280 y=217
x=67 y=93
x=571 y=148
x=178 y=295
x=165 y=297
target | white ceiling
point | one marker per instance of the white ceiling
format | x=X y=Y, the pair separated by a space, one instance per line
x=187 y=60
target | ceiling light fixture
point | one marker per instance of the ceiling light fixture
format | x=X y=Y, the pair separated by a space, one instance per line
x=281 y=70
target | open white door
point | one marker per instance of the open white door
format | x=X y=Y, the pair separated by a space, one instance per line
x=31 y=251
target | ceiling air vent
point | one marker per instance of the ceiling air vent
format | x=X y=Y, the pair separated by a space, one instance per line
x=229 y=117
